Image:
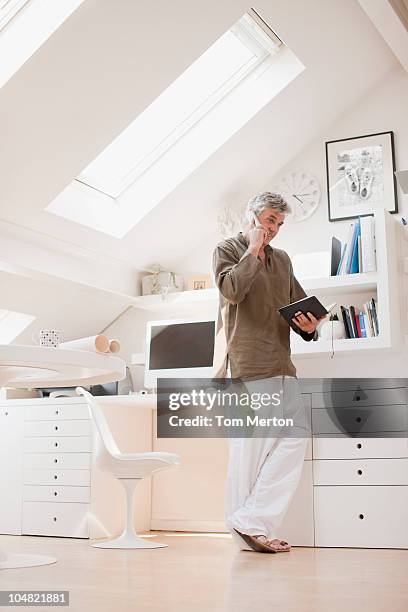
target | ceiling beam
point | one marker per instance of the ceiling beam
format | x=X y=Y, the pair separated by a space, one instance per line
x=390 y=17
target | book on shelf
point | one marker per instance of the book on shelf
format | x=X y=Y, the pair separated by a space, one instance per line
x=368 y=244
x=358 y=253
x=361 y=323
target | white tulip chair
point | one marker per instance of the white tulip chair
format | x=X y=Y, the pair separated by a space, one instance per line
x=129 y=469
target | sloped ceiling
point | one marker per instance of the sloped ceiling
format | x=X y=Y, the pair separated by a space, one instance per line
x=109 y=60
x=66 y=306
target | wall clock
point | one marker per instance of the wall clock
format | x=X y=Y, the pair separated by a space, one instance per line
x=301 y=190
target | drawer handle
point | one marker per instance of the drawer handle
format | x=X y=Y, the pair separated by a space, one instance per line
x=358 y=419
x=55 y=477
x=360 y=472
x=56 y=428
x=55 y=493
x=359 y=445
x=55 y=443
x=361 y=516
x=55 y=460
x=57 y=412
x=6 y=413
x=358 y=398
x=55 y=519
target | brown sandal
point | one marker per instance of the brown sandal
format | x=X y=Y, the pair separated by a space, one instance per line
x=255 y=544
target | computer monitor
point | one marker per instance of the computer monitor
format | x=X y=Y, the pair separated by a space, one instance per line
x=179 y=348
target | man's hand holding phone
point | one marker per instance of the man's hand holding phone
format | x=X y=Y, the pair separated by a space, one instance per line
x=256 y=236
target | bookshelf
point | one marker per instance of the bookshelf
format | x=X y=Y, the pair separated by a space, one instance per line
x=345 y=289
x=355 y=289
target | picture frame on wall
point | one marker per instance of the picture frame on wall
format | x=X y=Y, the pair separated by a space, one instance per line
x=360 y=176
x=198 y=282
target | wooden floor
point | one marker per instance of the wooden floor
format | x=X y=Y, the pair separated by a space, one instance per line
x=205 y=572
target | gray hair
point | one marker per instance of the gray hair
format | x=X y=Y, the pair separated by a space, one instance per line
x=268 y=199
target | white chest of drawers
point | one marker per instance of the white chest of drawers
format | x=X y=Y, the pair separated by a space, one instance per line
x=56 y=478
x=49 y=482
x=361 y=483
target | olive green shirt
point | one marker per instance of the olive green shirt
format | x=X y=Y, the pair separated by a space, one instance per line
x=255 y=336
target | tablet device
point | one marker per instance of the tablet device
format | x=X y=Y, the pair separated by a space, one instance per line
x=307 y=304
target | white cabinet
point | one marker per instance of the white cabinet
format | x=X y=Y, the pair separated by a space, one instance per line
x=58 y=428
x=331 y=447
x=361 y=472
x=69 y=520
x=49 y=482
x=62 y=461
x=76 y=477
x=11 y=468
x=361 y=480
x=57 y=450
x=57 y=494
x=369 y=517
x=61 y=444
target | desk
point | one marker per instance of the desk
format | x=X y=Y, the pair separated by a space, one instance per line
x=37 y=366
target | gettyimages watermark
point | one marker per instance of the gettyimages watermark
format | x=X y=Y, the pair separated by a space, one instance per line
x=197 y=408
x=283 y=406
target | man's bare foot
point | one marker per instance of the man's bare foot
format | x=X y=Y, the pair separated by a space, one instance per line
x=275 y=543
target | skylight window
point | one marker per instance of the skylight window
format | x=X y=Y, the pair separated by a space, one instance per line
x=8 y=9
x=190 y=120
x=24 y=26
x=12 y=324
x=176 y=110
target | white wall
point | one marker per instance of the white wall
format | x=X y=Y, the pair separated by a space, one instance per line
x=382 y=109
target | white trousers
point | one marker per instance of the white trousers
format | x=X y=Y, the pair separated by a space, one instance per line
x=264 y=472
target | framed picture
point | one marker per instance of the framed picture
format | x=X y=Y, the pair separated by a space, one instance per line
x=360 y=176
x=199 y=281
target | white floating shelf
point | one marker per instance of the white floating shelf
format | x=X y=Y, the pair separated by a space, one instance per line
x=331 y=285
x=346 y=283
x=179 y=298
x=300 y=348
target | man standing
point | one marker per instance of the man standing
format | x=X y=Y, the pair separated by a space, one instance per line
x=254 y=281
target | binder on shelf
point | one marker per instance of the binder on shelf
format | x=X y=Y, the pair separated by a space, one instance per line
x=368 y=259
x=360 y=261
x=347 y=250
x=353 y=321
x=343 y=252
x=375 y=318
x=362 y=325
x=357 y=316
x=369 y=325
x=353 y=263
x=368 y=331
x=345 y=321
x=336 y=251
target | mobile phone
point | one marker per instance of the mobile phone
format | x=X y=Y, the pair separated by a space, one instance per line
x=257 y=221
